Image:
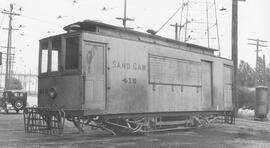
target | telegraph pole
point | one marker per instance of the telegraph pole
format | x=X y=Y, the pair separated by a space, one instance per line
x=217 y=27
x=125 y=19
x=235 y=52
x=186 y=23
x=8 y=58
x=258 y=44
x=176 y=26
x=207 y=20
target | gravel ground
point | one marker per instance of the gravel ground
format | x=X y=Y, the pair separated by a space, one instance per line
x=245 y=133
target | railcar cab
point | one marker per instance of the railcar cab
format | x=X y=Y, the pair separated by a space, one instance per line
x=72 y=70
x=63 y=53
x=60 y=70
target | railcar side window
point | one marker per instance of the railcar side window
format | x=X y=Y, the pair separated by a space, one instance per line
x=56 y=48
x=72 y=53
x=44 y=56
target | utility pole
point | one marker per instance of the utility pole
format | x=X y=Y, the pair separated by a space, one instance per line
x=217 y=27
x=1 y=76
x=186 y=23
x=207 y=25
x=125 y=19
x=264 y=71
x=181 y=26
x=235 y=52
x=258 y=44
x=8 y=59
x=176 y=26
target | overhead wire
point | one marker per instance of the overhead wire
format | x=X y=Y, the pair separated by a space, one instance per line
x=36 y=19
x=2 y=21
x=171 y=17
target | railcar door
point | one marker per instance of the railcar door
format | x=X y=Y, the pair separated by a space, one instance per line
x=227 y=86
x=207 y=95
x=94 y=72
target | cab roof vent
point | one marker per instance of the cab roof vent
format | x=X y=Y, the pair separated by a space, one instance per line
x=80 y=26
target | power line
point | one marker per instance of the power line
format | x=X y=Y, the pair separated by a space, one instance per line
x=2 y=20
x=39 y=20
x=171 y=17
x=155 y=32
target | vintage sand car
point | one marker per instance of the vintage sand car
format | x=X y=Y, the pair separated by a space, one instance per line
x=121 y=80
x=14 y=100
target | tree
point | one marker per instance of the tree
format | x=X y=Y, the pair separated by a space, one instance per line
x=15 y=84
x=267 y=81
x=246 y=75
x=246 y=97
x=267 y=73
x=247 y=82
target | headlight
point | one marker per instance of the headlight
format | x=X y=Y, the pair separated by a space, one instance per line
x=52 y=93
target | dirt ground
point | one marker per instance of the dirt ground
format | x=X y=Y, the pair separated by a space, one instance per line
x=245 y=133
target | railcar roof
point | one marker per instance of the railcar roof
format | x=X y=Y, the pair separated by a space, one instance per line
x=89 y=25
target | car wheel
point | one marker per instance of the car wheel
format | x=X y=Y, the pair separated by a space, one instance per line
x=18 y=104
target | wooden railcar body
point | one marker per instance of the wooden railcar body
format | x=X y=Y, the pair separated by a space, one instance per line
x=99 y=69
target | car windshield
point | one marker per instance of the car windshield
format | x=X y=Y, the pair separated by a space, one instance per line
x=5 y=94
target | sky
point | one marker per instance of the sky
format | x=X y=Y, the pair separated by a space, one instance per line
x=42 y=18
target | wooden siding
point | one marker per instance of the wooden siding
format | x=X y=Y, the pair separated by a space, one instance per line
x=207 y=97
x=170 y=80
x=93 y=69
x=227 y=82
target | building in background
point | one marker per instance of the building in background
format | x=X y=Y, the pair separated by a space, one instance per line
x=29 y=82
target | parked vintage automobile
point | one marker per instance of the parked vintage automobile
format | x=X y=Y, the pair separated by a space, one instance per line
x=14 y=100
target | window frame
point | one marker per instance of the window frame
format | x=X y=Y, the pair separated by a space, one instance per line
x=41 y=57
x=61 y=57
x=71 y=71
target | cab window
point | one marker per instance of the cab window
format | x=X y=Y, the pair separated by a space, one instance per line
x=44 y=56
x=56 y=48
x=72 y=53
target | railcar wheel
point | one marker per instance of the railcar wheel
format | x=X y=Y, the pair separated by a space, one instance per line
x=18 y=104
